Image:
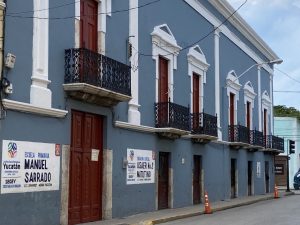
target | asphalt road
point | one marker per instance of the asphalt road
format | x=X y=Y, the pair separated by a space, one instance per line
x=283 y=211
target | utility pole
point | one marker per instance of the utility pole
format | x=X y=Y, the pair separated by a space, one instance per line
x=289 y=151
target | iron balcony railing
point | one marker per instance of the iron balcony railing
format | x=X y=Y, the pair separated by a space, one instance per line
x=257 y=138
x=85 y=66
x=169 y=114
x=274 y=142
x=238 y=133
x=203 y=123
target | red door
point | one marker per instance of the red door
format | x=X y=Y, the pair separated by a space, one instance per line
x=88 y=24
x=85 y=191
x=231 y=111
x=163 y=94
x=196 y=104
x=163 y=180
x=248 y=115
x=197 y=180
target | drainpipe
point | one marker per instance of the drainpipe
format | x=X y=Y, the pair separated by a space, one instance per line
x=2 y=19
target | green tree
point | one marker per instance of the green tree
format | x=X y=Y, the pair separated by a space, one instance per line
x=283 y=111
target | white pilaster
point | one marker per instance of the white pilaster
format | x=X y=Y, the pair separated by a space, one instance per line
x=217 y=81
x=271 y=108
x=134 y=116
x=259 y=98
x=40 y=95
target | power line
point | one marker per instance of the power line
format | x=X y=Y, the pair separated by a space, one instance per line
x=201 y=39
x=71 y=17
x=284 y=73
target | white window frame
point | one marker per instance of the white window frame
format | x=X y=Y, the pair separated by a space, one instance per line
x=165 y=45
x=197 y=65
x=249 y=96
x=266 y=104
x=233 y=86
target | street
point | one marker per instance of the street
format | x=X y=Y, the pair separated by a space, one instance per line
x=284 y=211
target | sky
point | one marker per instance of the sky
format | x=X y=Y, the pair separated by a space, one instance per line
x=277 y=22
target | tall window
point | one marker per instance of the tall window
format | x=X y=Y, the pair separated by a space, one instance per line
x=248 y=115
x=232 y=109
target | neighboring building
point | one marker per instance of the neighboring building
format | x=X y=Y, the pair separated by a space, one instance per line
x=289 y=128
x=114 y=114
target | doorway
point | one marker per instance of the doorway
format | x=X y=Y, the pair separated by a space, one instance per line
x=233 y=179
x=250 y=177
x=85 y=187
x=267 y=176
x=197 y=179
x=163 y=180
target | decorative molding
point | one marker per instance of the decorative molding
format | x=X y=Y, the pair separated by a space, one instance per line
x=249 y=93
x=29 y=108
x=265 y=99
x=249 y=96
x=2 y=5
x=164 y=44
x=242 y=26
x=195 y=4
x=198 y=65
x=233 y=86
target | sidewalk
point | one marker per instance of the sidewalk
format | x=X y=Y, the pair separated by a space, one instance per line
x=167 y=215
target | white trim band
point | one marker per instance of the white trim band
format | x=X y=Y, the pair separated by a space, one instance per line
x=29 y=108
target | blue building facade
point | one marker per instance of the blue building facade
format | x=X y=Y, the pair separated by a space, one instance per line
x=104 y=81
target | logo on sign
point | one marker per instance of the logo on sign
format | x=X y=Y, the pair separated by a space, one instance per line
x=12 y=149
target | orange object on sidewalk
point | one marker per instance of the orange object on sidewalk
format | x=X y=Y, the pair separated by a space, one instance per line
x=276 y=195
x=207 y=209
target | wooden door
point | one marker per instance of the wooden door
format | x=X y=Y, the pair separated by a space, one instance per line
x=233 y=178
x=196 y=102
x=267 y=176
x=163 y=80
x=265 y=121
x=163 y=180
x=85 y=191
x=248 y=116
x=197 y=184
x=249 y=178
x=88 y=24
x=231 y=109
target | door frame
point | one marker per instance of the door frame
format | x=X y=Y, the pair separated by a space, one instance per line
x=106 y=178
x=201 y=179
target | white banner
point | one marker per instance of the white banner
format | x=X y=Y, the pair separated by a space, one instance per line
x=29 y=167
x=140 y=167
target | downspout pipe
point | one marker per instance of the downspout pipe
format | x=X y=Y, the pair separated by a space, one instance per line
x=2 y=34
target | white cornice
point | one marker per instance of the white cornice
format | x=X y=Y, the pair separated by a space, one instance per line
x=195 y=4
x=2 y=5
x=242 y=26
x=29 y=108
x=134 y=127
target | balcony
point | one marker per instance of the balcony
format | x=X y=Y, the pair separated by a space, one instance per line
x=256 y=140
x=239 y=136
x=204 y=127
x=274 y=144
x=95 y=78
x=172 y=120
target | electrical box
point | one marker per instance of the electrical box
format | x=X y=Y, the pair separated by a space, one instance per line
x=10 y=60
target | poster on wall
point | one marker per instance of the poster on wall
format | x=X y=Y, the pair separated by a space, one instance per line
x=258 y=170
x=140 y=167
x=29 y=167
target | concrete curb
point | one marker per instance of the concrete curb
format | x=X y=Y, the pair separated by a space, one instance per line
x=215 y=209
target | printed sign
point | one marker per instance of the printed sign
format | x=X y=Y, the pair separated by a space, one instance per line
x=94 y=155
x=140 y=167
x=29 y=167
x=258 y=170
x=279 y=169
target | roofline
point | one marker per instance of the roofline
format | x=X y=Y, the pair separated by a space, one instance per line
x=242 y=26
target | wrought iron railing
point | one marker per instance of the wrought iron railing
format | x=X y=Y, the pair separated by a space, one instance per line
x=238 y=133
x=85 y=66
x=274 y=142
x=257 y=138
x=203 y=123
x=169 y=114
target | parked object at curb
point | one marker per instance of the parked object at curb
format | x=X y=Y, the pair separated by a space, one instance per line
x=297 y=180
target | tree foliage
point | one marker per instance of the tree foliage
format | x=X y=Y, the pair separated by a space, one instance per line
x=283 y=111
